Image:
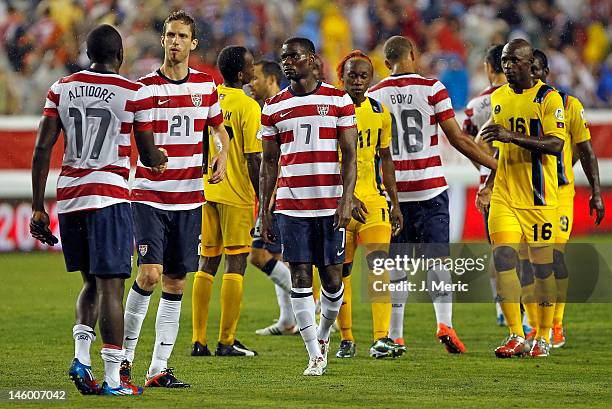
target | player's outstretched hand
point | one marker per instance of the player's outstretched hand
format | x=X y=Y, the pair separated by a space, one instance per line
x=397 y=220
x=496 y=132
x=344 y=212
x=596 y=205
x=218 y=166
x=483 y=199
x=159 y=169
x=39 y=228
x=359 y=210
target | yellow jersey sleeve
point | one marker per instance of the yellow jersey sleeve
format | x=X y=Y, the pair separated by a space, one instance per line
x=576 y=123
x=553 y=116
x=385 y=135
x=251 y=122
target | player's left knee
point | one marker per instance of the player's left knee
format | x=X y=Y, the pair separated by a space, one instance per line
x=236 y=263
x=559 y=267
x=542 y=271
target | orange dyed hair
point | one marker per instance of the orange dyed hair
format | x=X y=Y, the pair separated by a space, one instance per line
x=353 y=54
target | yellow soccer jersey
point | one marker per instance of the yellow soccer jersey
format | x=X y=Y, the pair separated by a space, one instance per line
x=242 y=120
x=578 y=130
x=526 y=179
x=374 y=132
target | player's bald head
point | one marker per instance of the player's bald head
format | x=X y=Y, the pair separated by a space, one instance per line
x=519 y=47
x=397 y=48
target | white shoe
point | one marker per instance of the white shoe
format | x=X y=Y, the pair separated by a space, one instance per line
x=316 y=367
x=277 y=329
x=324 y=351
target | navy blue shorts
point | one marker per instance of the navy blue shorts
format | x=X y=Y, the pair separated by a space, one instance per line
x=168 y=237
x=99 y=242
x=259 y=243
x=426 y=228
x=311 y=240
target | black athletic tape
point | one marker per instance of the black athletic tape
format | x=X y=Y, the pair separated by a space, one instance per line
x=300 y=295
x=171 y=297
x=140 y=291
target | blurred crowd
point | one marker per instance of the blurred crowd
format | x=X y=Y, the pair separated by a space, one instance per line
x=41 y=41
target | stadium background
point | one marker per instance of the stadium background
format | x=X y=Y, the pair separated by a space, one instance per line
x=41 y=41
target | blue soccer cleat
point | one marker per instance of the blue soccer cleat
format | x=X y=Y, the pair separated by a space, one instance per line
x=121 y=390
x=83 y=378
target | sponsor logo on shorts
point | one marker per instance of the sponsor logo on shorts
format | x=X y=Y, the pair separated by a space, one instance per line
x=142 y=249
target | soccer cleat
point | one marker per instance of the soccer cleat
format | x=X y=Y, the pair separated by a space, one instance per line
x=449 y=339
x=83 y=378
x=383 y=348
x=501 y=321
x=540 y=349
x=237 y=349
x=514 y=345
x=346 y=349
x=316 y=367
x=530 y=337
x=121 y=390
x=276 y=329
x=165 y=379
x=399 y=349
x=324 y=345
x=558 y=337
x=125 y=374
x=198 y=349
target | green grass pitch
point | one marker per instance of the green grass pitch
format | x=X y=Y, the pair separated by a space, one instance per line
x=37 y=315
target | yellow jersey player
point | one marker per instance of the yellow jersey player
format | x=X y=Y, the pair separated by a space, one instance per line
x=355 y=71
x=228 y=214
x=528 y=127
x=579 y=136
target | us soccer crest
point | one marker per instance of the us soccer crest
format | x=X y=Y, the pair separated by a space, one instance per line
x=196 y=99
x=323 y=109
x=142 y=249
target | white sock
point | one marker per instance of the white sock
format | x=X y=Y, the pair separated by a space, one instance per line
x=302 y=302
x=525 y=320
x=83 y=337
x=281 y=276
x=442 y=300
x=112 y=358
x=286 y=318
x=493 y=283
x=136 y=308
x=166 y=330
x=398 y=304
x=330 y=307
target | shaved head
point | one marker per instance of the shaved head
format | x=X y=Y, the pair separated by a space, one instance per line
x=517 y=63
x=396 y=48
x=520 y=47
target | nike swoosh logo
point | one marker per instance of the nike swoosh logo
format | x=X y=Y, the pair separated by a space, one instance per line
x=284 y=114
x=166 y=345
x=162 y=102
x=338 y=254
x=131 y=339
x=305 y=328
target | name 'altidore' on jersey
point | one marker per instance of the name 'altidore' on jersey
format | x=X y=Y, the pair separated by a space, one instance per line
x=417 y=106
x=180 y=112
x=307 y=128
x=97 y=111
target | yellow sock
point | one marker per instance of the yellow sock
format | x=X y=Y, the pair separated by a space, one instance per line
x=200 y=300
x=530 y=304
x=546 y=293
x=509 y=291
x=381 y=318
x=316 y=286
x=562 y=284
x=231 y=298
x=345 y=316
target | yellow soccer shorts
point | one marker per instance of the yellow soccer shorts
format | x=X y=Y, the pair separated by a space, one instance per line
x=565 y=212
x=374 y=234
x=226 y=228
x=508 y=226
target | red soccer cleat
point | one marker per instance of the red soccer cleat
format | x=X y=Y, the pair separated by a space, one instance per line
x=449 y=339
x=514 y=345
x=558 y=337
x=540 y=349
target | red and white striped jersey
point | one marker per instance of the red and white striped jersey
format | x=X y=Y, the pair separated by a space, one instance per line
x=417 y=106
x=477 y=113
x=97 y=111
x=180 y=112
x=306 y=128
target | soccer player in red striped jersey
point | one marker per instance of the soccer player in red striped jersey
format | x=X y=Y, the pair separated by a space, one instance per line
x=302 y=126
x=418 y=107
x=167 y=208
x=97 y=109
